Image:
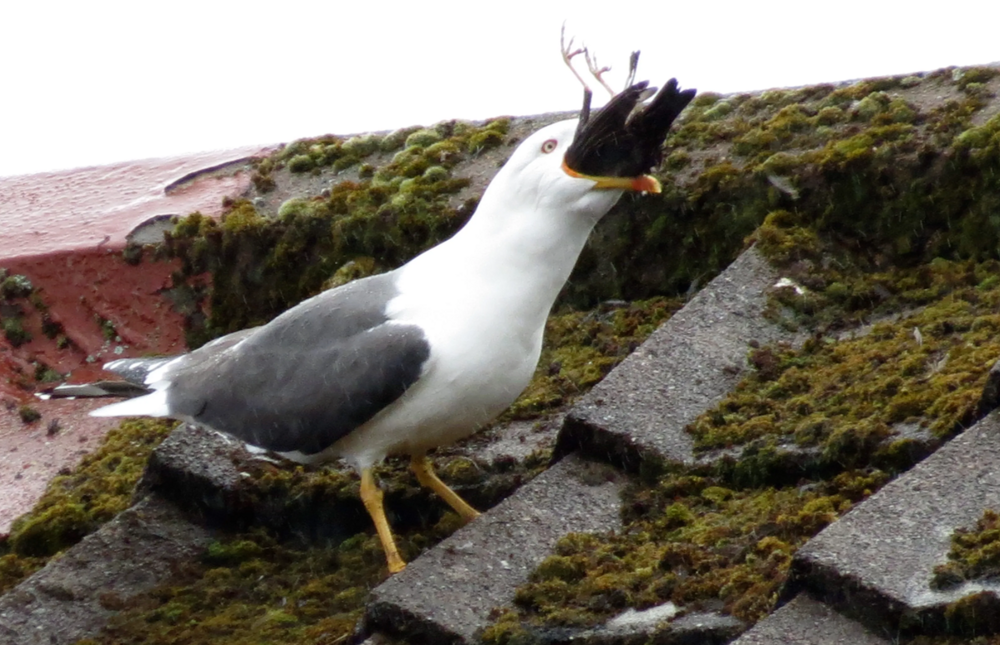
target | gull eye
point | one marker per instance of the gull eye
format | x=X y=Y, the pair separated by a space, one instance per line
x=549 y=146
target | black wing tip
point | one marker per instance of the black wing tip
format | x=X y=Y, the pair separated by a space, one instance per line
x=625 y=137
x=672 y=94
x=654 y=118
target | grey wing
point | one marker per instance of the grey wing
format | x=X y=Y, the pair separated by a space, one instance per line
x=302 y=399
x=135 y=370
x=310 y=376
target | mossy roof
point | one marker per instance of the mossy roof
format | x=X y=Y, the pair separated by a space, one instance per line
x=880 y=199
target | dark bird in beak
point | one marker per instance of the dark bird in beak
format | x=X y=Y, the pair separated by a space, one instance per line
x=622 y=142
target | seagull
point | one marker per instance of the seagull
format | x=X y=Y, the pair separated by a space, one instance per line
x=424 y=355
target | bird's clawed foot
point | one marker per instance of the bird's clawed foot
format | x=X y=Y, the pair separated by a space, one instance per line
x=596 y=71
x=569 y=53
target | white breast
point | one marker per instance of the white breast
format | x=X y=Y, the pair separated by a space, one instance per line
x=485 y=338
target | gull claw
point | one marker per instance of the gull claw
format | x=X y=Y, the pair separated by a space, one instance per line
x=568 y=53
x=597 y=72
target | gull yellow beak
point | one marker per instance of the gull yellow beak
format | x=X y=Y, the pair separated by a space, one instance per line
x=642 y=184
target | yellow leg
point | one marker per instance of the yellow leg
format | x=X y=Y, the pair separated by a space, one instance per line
x=371 y=495
x=425 y=475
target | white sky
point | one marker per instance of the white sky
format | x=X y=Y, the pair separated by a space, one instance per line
x=86 y=83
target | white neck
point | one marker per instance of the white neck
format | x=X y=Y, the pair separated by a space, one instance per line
x=535 y=246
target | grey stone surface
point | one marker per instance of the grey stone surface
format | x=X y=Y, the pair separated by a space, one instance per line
x=200 y=470
x=804 y=621
x=212 y=475
x=151 y=231
x=688 y=364
x=446 y=595
x=644 y=627
x=194 y=457
x=69 y=598
x=877 y=561
x=509 y=442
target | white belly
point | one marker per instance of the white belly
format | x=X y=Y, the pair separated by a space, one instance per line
x=485 y=336
x=459 y=393
x=481 y=359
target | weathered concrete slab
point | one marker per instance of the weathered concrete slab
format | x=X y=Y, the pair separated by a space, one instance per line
x=69 y=598
x=877 y=561
x=213 y=475
x=446 y=595
x=650 y=626
x=198 y=468
x=805 y=621
x=688 y=364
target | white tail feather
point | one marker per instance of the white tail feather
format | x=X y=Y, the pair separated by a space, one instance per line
x=150 y=405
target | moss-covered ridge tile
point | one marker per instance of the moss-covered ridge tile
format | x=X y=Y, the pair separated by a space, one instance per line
x=264 y=257
x=907 y=530
x=74 y=595
x=252 y=588
x=449 y=594
x=79 y=502
x=692 y=540
x=806 y=620
x=638 y=414
x=850 y=398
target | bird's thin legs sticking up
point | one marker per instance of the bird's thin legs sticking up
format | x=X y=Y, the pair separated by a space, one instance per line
x=597 y=71
x=421 y=467
x=568 y=54
x=371 y=495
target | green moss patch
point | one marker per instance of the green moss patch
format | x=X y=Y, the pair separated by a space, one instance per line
x=581 y=347
x=262 y=263
x=28 y=414
x=253 y=589
x=851 y=398
x=13 y=288
x=693 y=540
x=79 y=502
x=974 y=554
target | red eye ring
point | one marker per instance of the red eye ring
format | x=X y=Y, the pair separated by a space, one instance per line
x=549 y=146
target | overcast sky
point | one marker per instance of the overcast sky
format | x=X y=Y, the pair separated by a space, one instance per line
x=87 y=83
